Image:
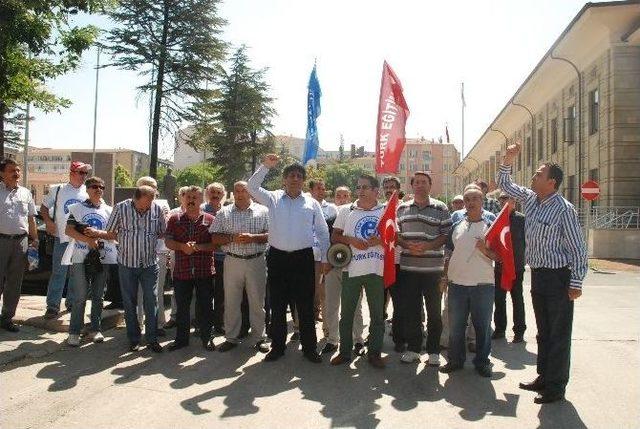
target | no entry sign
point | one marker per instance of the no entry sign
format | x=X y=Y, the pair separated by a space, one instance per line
x=590 y=190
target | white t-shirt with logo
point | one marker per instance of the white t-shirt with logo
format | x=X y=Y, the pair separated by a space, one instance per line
x=67 y=195
x=362 y=224
x=95 y=217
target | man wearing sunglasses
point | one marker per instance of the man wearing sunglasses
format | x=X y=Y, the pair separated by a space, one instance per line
x=94 y=213
x=55 y=213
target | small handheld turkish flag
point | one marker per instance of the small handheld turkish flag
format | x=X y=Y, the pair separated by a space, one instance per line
x=498 y=238
x=387 y=228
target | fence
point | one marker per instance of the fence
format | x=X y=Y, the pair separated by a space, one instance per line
x=612 y=217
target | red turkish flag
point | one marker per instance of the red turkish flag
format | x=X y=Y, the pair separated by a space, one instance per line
x=392 y=118
x=387 y=228
x=499 y=240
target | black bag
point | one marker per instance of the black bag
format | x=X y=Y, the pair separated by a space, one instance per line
x=92 y=263
x=50 y=240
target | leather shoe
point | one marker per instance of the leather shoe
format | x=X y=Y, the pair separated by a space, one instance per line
x=329 y=348
x=547 y=398
x=376 y=361
x=8 y=325
x=134 y=347
x=497 y=335
x=313 y=356
x=536 y=385
x=449 y=368
x=339 y=360
x=155 y=347
x=226 y=346
x=273 y=355
x=176 y=346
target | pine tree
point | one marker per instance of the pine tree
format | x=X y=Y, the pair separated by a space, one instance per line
x=176 y=46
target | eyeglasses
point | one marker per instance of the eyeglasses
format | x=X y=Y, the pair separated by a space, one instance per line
x=97 y=187
x=363 y=187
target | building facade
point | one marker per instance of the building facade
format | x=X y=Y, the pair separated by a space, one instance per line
x=579 y=108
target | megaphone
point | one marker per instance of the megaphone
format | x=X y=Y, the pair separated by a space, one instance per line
x=339 y=255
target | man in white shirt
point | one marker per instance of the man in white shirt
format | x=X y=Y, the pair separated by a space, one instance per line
x=356 y=226
x=55 y=212
x=17 y=224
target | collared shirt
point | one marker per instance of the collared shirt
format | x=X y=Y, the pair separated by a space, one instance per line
x=16 y=205
x=552 y=231
x=182 y=229
x=138 y=233
x=252 y=220
x=292 y=221
x=423 y=224
x=491 y=205
x=218 y=254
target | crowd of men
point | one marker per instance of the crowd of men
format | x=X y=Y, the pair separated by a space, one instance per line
x=248 y=263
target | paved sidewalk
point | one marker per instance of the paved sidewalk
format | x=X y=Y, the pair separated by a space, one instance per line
x=105 y=386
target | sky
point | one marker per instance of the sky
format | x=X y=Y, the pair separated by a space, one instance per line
x=432 y=46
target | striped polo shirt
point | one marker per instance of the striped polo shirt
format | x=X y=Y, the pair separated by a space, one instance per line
x=423 y=224
x=553 y=235
x=138 y=233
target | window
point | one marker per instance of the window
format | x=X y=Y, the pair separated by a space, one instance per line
x=594 y=111
x=571 y=188
x=540 y=144
x=569 y=125
x=554 y=135
x=528 y=149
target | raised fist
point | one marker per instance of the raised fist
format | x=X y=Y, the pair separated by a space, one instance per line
x=271 y=160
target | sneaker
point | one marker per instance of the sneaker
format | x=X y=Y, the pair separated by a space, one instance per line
x=410 y=357
x=329 y=348
x=434 y=359
x=97 y=337
x=51 y=313
x=73 y=340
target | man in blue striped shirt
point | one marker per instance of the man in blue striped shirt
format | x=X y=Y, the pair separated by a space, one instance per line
x=557 y=254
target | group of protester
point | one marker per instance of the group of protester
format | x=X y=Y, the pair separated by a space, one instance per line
x=265 y=253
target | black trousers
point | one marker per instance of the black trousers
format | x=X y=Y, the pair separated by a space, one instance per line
x=183 y=291
x=517 y=301
x=554 y=320
x=397 y=318
x=414 y=288
x=292 y=278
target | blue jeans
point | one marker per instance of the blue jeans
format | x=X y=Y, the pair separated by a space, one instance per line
x=79 y=284
x=477 y=300
x=130 y=280
x=58 y=278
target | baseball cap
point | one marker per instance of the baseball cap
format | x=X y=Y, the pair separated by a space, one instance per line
x=79 y=166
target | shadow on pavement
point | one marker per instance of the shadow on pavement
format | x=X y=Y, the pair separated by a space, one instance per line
x=560 y=415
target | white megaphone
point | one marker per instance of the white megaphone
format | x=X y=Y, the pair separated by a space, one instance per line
x=339 y=255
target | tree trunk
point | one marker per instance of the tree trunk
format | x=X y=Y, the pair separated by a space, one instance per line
x=3 y=112
x=155 y=132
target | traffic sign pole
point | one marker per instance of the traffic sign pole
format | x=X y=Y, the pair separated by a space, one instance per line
x=590 y=190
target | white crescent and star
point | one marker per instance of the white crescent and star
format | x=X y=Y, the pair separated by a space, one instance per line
x=391 y=223
x=503 y=236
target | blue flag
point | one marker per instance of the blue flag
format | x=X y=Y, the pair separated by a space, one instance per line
x=313 y=111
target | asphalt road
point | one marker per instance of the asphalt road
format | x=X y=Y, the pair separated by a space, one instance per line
x=105 y=386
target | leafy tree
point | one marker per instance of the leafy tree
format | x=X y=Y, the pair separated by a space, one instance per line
x=273 y=180
x=175 y=46
x=199 y=174
x=123 y=178
x=343 y=174
x=38 y=43
x=237 y=129
x=162 y=171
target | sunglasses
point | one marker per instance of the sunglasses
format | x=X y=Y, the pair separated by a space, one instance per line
x=97 y=187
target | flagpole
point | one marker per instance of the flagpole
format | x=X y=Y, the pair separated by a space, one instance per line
x=463 y=105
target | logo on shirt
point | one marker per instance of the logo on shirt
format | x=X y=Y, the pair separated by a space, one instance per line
x=366 y=228
x=68 y=203
x=94 y=220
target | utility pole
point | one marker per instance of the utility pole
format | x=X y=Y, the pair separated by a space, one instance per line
x=95 y=111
